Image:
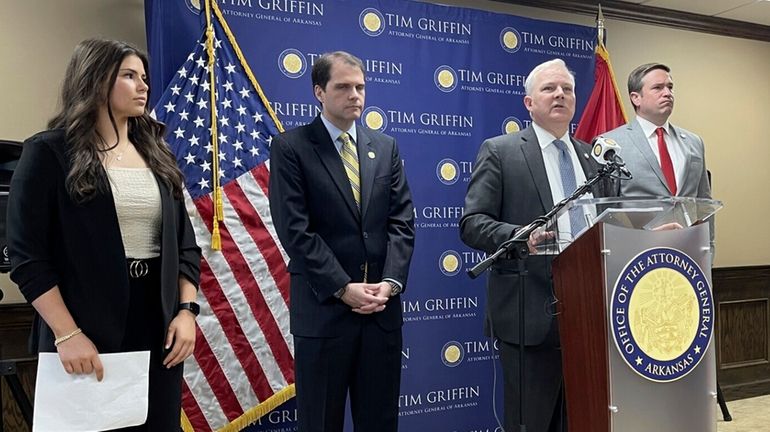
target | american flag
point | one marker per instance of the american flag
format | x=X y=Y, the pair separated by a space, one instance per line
x=242 y=366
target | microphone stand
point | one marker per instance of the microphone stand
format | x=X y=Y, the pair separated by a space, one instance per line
x=516 y=248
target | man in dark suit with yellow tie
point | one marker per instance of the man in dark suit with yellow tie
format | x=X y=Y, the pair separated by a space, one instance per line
x=343 y=212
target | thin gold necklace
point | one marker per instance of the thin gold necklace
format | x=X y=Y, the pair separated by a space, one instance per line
x=114 y=156
x=119 y=155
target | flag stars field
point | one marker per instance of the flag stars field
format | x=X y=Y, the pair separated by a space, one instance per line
x=244 y=286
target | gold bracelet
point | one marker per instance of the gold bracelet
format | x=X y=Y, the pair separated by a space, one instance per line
x=65 y=338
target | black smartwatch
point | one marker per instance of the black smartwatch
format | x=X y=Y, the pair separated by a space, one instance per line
x=190 y=306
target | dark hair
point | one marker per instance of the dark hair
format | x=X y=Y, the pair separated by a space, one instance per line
x=87 y=86
x=322 y=68
x=636 y=76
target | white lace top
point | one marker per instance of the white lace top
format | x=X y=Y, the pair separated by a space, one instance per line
x=137 y=203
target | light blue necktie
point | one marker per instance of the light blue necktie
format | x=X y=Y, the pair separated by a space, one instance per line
x=568 y=184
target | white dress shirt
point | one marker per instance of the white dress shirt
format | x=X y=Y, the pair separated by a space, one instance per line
x=335 y=133
x=551 y=160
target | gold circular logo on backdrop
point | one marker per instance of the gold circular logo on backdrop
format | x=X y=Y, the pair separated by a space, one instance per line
x=292 y=63
x=446 y=79
x=374 y=120
x=510 y=40
x=194 y=6
x=450 y=263
x=372 y=22
x=511 y=127
x=452 y=354
x=448 y=171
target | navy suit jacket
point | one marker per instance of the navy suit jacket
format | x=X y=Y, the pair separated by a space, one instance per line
x=328 y=240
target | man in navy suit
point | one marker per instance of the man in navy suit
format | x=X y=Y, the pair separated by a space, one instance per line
x=343 y=212
x=517 y=178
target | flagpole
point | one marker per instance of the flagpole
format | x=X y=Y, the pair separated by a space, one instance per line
x=600 y=25
x=216 y=242
x=604 y=110
x=602 y=51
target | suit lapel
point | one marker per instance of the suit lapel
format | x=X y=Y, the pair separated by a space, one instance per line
x=533 y=155
x=643 y=146
x=688 y=149
x=588 y=168
x=330 y=159
x=366 y=160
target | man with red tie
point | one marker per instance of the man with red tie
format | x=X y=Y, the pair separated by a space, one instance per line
x=665 y=160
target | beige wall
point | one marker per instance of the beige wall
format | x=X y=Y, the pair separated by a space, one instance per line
x=36 y=41
x=721 y=85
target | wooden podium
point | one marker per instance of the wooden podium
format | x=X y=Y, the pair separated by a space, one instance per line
x=635 y=340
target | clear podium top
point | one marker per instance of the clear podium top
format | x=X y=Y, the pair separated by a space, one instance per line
x=644 y=213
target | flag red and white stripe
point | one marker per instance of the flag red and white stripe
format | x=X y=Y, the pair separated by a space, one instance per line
x=243 y=365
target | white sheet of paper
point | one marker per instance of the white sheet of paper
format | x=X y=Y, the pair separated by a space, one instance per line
x=69 y=403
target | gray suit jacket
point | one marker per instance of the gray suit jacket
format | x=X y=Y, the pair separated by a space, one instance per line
x=644 y=166
x=509 y=188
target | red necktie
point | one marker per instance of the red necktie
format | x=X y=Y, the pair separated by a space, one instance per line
x=665 y=162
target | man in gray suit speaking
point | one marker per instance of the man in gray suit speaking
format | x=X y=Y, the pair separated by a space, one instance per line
x=665 y=160
x=518 y=177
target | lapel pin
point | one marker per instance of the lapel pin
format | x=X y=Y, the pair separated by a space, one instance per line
x=371 y=155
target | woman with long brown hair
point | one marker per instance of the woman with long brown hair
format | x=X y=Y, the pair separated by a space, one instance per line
x=99 y=239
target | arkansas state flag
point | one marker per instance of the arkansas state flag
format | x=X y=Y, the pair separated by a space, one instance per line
x=604 y=111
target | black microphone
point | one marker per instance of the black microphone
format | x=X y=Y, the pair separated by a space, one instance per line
x=605 y=151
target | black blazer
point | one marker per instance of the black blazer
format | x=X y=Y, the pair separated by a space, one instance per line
x=54 y=241
x=327 y=239
x=509 y=188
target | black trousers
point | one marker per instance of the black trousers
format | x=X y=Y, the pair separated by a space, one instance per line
x=544 y=404
x=366 y=363
x=144 y=331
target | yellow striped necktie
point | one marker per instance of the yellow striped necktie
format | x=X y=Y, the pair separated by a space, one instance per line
x=349 y=156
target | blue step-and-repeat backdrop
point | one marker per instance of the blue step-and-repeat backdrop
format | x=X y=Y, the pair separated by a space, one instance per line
x=440 y=80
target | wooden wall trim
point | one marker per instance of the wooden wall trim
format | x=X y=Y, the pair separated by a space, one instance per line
x=655 y=16
x=16 y=316
x=741 y=272
x=742 y=338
